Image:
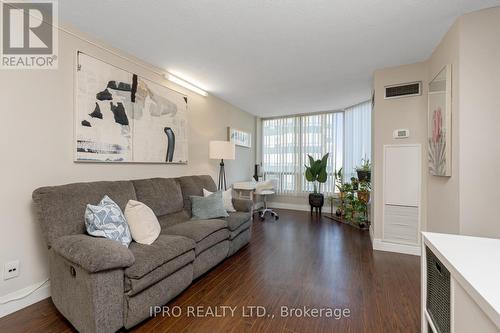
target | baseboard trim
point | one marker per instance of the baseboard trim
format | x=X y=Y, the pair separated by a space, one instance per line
x=284 y=205
x=381 y=245
x=39 y=294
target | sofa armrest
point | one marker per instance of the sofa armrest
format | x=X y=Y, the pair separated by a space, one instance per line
x=94 y=254
x=243 y=205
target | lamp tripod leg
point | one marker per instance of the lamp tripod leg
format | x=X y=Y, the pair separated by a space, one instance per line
x=222 y=177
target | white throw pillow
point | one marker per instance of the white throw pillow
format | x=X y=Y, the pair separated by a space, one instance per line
x=143 y=224
x=227 y=198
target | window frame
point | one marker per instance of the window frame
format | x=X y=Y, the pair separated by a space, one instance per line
x=300 y=190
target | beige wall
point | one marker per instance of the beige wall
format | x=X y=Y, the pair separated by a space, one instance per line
x=465 y=202
x=391 y=114
x=443 y=204
x=480 y=123
x=37 y=149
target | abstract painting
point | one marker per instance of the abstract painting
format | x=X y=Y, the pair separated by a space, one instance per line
x=239 y=138
x=122 y=117
x=439 y=124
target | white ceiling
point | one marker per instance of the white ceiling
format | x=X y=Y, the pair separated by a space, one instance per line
x=273 y=57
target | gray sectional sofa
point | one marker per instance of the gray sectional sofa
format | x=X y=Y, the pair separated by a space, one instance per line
x=100 y=285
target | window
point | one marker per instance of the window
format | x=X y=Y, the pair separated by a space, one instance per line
x=287 y=141
x=358 y=136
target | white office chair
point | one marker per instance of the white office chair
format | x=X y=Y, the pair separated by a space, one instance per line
x=265 y=189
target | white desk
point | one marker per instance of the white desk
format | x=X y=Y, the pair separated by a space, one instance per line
x=246 y=190
x=245 y=186
x=475 y=275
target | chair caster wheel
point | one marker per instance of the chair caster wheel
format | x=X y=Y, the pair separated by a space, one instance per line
x=276 y=217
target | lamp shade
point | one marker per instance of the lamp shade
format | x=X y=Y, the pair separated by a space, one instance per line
x=221 y=150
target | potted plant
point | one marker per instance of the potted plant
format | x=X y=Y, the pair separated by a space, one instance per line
x=331 y=200
x=316 y=174
x=364 y=171
x=339 y=180
x=364 y=192
x=355 y=183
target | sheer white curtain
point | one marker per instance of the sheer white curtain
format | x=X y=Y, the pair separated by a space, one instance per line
x=321 y=134
x=281 y=151
x=287 y=142
x=358 y=136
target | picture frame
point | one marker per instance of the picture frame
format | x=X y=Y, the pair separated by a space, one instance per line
x=440 y=124
x=239 y=137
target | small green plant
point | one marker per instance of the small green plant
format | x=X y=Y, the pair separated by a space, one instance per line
x=316 y=171
x=365 y=165
x=365 y=186
x=346 y=187
x=355 y=183
x=339 y=179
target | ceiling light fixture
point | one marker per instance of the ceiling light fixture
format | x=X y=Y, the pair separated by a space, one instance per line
x=186 y=84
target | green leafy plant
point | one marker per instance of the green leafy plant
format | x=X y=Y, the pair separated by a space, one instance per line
x=339 y=179
x=365 y=165
x=355 y=183
x=365 y=186
x=316 y=171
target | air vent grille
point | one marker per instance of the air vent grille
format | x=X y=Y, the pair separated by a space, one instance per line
x=403 y=90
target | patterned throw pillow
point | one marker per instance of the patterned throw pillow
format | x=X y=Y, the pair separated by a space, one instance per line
x=210 y=207
x=107 y=220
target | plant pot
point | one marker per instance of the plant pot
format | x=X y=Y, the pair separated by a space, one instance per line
x=364 y=175
x=316 y=200
x=364 y=197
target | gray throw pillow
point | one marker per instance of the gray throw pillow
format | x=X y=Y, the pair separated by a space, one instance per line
x=209 y=207
x=107 y=220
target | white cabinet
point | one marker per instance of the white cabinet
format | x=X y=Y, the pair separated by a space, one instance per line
x=470 y=265
x=402 y=180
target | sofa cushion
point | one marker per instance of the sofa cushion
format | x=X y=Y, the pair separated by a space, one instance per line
x=143 y=223
x=245 y=226
x=134 y=286
x=211 y=240
x=196 y=229
x=227 y=198
x=150 y=257
x=194 y=185
x=106 y=220
x=236 y=219
x=60 y=209
x=211 y=207
x=162 y=195
x=173 y=219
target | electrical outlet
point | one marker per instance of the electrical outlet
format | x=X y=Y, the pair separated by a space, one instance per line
x=11 y=269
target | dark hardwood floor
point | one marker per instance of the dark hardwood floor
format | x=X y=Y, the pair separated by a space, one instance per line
x=295 y=262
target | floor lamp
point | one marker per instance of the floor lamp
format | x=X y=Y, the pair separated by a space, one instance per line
x=221 y=150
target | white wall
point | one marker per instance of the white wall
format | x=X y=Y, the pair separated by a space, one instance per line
x=465 y=202
x=37 y=149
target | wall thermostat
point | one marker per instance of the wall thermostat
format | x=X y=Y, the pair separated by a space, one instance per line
x=401 y=133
